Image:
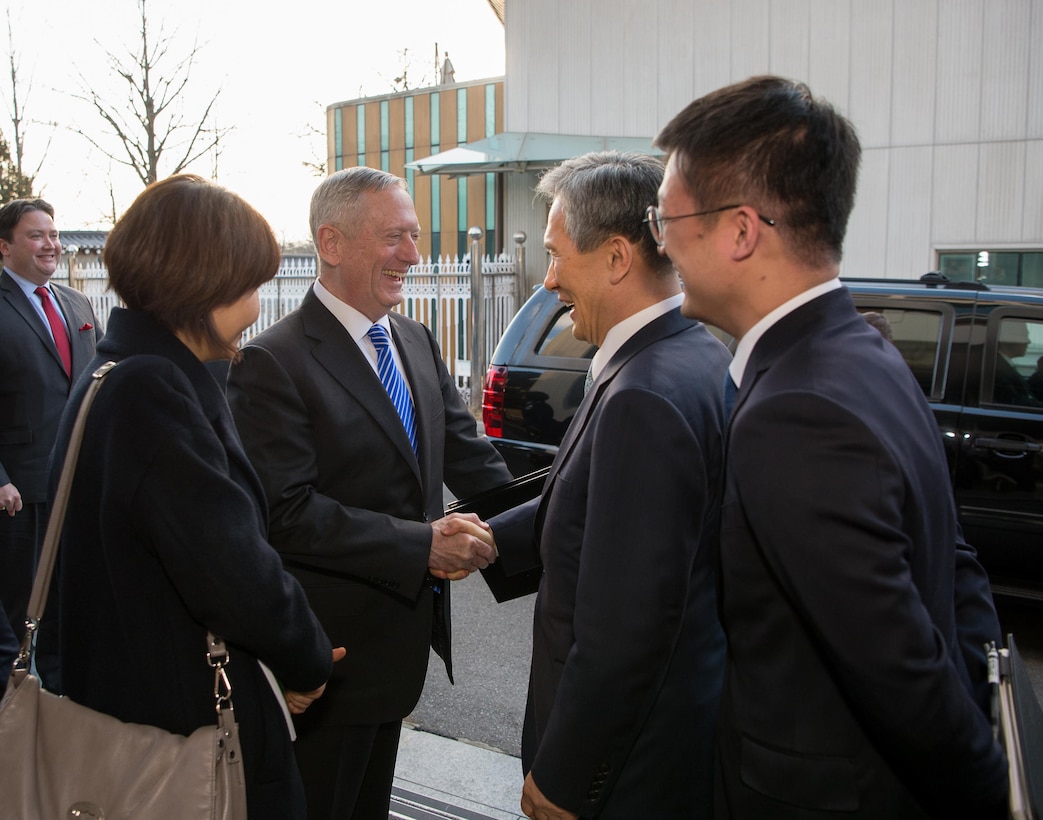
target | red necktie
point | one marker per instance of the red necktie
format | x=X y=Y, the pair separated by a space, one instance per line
x=61 y=338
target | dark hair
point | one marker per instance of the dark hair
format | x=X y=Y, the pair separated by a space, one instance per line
x=606 y=193
x=339 y=198
x=767 y=142
x=11 y=214
x=185 y=247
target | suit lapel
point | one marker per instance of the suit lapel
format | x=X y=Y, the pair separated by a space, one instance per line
x=20 y=302
x=660 y=328
x=810 y=318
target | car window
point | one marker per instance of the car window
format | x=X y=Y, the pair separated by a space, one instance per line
x=917 y=335
x=1018 y=363
x=559 y=341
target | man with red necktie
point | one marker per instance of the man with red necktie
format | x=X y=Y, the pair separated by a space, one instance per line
x=47 y=335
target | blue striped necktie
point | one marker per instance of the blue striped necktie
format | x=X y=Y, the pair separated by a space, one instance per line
x=393 y=382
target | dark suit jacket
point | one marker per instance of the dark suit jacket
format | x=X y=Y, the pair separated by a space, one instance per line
x=627 y=650
x=854 y=613
x=165 y=539
x=9 y=645
x=350 y=504
x=33 y=384
x=33 y=392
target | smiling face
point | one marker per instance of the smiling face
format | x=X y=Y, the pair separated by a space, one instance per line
x=690 y=245
x=34 y=249
x=375 y=258
x=578 y=278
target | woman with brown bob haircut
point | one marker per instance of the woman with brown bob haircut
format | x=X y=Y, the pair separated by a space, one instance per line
x=165 y=536
x=185 y=247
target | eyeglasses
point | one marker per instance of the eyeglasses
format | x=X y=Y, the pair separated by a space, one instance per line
x=656 y=220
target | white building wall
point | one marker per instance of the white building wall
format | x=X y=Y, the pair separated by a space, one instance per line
x=947 y=96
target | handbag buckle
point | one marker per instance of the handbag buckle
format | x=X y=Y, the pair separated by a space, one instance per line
x=218 y=658
x=25 y=651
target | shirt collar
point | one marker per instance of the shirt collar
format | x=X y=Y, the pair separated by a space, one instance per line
x=353 y=321
x=619 y=333
x=746 y=344
x=29 y=288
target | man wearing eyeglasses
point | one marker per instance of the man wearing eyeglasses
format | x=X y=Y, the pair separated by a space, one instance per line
x=855 y=615
x=627 y=650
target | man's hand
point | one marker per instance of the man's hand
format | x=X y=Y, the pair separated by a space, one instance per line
x=460 y=544
x=534 y=804
x=10 y=499
x=298 y=702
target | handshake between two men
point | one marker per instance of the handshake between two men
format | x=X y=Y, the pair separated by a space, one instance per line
x=461 y=543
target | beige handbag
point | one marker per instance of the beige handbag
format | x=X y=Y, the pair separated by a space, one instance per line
x=60 y=760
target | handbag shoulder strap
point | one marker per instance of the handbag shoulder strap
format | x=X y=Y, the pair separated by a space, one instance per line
x=56 y=518
x=217 y=652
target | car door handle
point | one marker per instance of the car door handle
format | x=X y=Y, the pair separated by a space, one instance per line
x=1006 y=445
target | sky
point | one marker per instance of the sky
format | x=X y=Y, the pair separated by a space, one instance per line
x=277 y=69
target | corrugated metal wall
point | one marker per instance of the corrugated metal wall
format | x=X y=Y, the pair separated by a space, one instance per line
x=947 y=96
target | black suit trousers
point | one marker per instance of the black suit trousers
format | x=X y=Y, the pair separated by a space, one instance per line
x=359 y=760
x=19 y=536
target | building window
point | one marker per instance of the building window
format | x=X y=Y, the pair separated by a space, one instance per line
x=436 y=216
x=1019 y=268
x=385 y=136
x=360 y=133
x=409 y=122
x=461 y=216
x=490 y=110
x=338 y=139
x=436 y=123
x=490 y=214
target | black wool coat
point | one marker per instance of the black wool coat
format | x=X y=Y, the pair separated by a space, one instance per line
x=166 y=538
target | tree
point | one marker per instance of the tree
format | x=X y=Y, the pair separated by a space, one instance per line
x=402 y=81
x=151 y=126
x=314 y=136
x=13 y=183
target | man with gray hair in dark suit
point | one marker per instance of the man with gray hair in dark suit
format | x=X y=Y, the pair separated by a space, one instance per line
x=627 y=652
x=352 y=422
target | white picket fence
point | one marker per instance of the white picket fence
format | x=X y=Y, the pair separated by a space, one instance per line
x=437 y=294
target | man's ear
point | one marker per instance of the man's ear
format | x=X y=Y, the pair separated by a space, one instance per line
x=328 y=245
x=746 y=228
x=620 y=253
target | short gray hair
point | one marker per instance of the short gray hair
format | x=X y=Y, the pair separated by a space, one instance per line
x=339 y=198
x=606 y=193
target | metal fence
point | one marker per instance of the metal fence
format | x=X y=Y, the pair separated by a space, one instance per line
x=437 y=294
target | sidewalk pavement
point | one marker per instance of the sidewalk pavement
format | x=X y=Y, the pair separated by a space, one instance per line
x=441 y=779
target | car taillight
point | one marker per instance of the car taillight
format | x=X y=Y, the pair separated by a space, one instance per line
x=492 y=400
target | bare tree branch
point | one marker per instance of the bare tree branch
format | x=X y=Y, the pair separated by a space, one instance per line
x=315 y=135
x=154 y=136
x=18 y=182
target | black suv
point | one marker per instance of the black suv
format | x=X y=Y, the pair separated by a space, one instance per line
x=976 y=351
